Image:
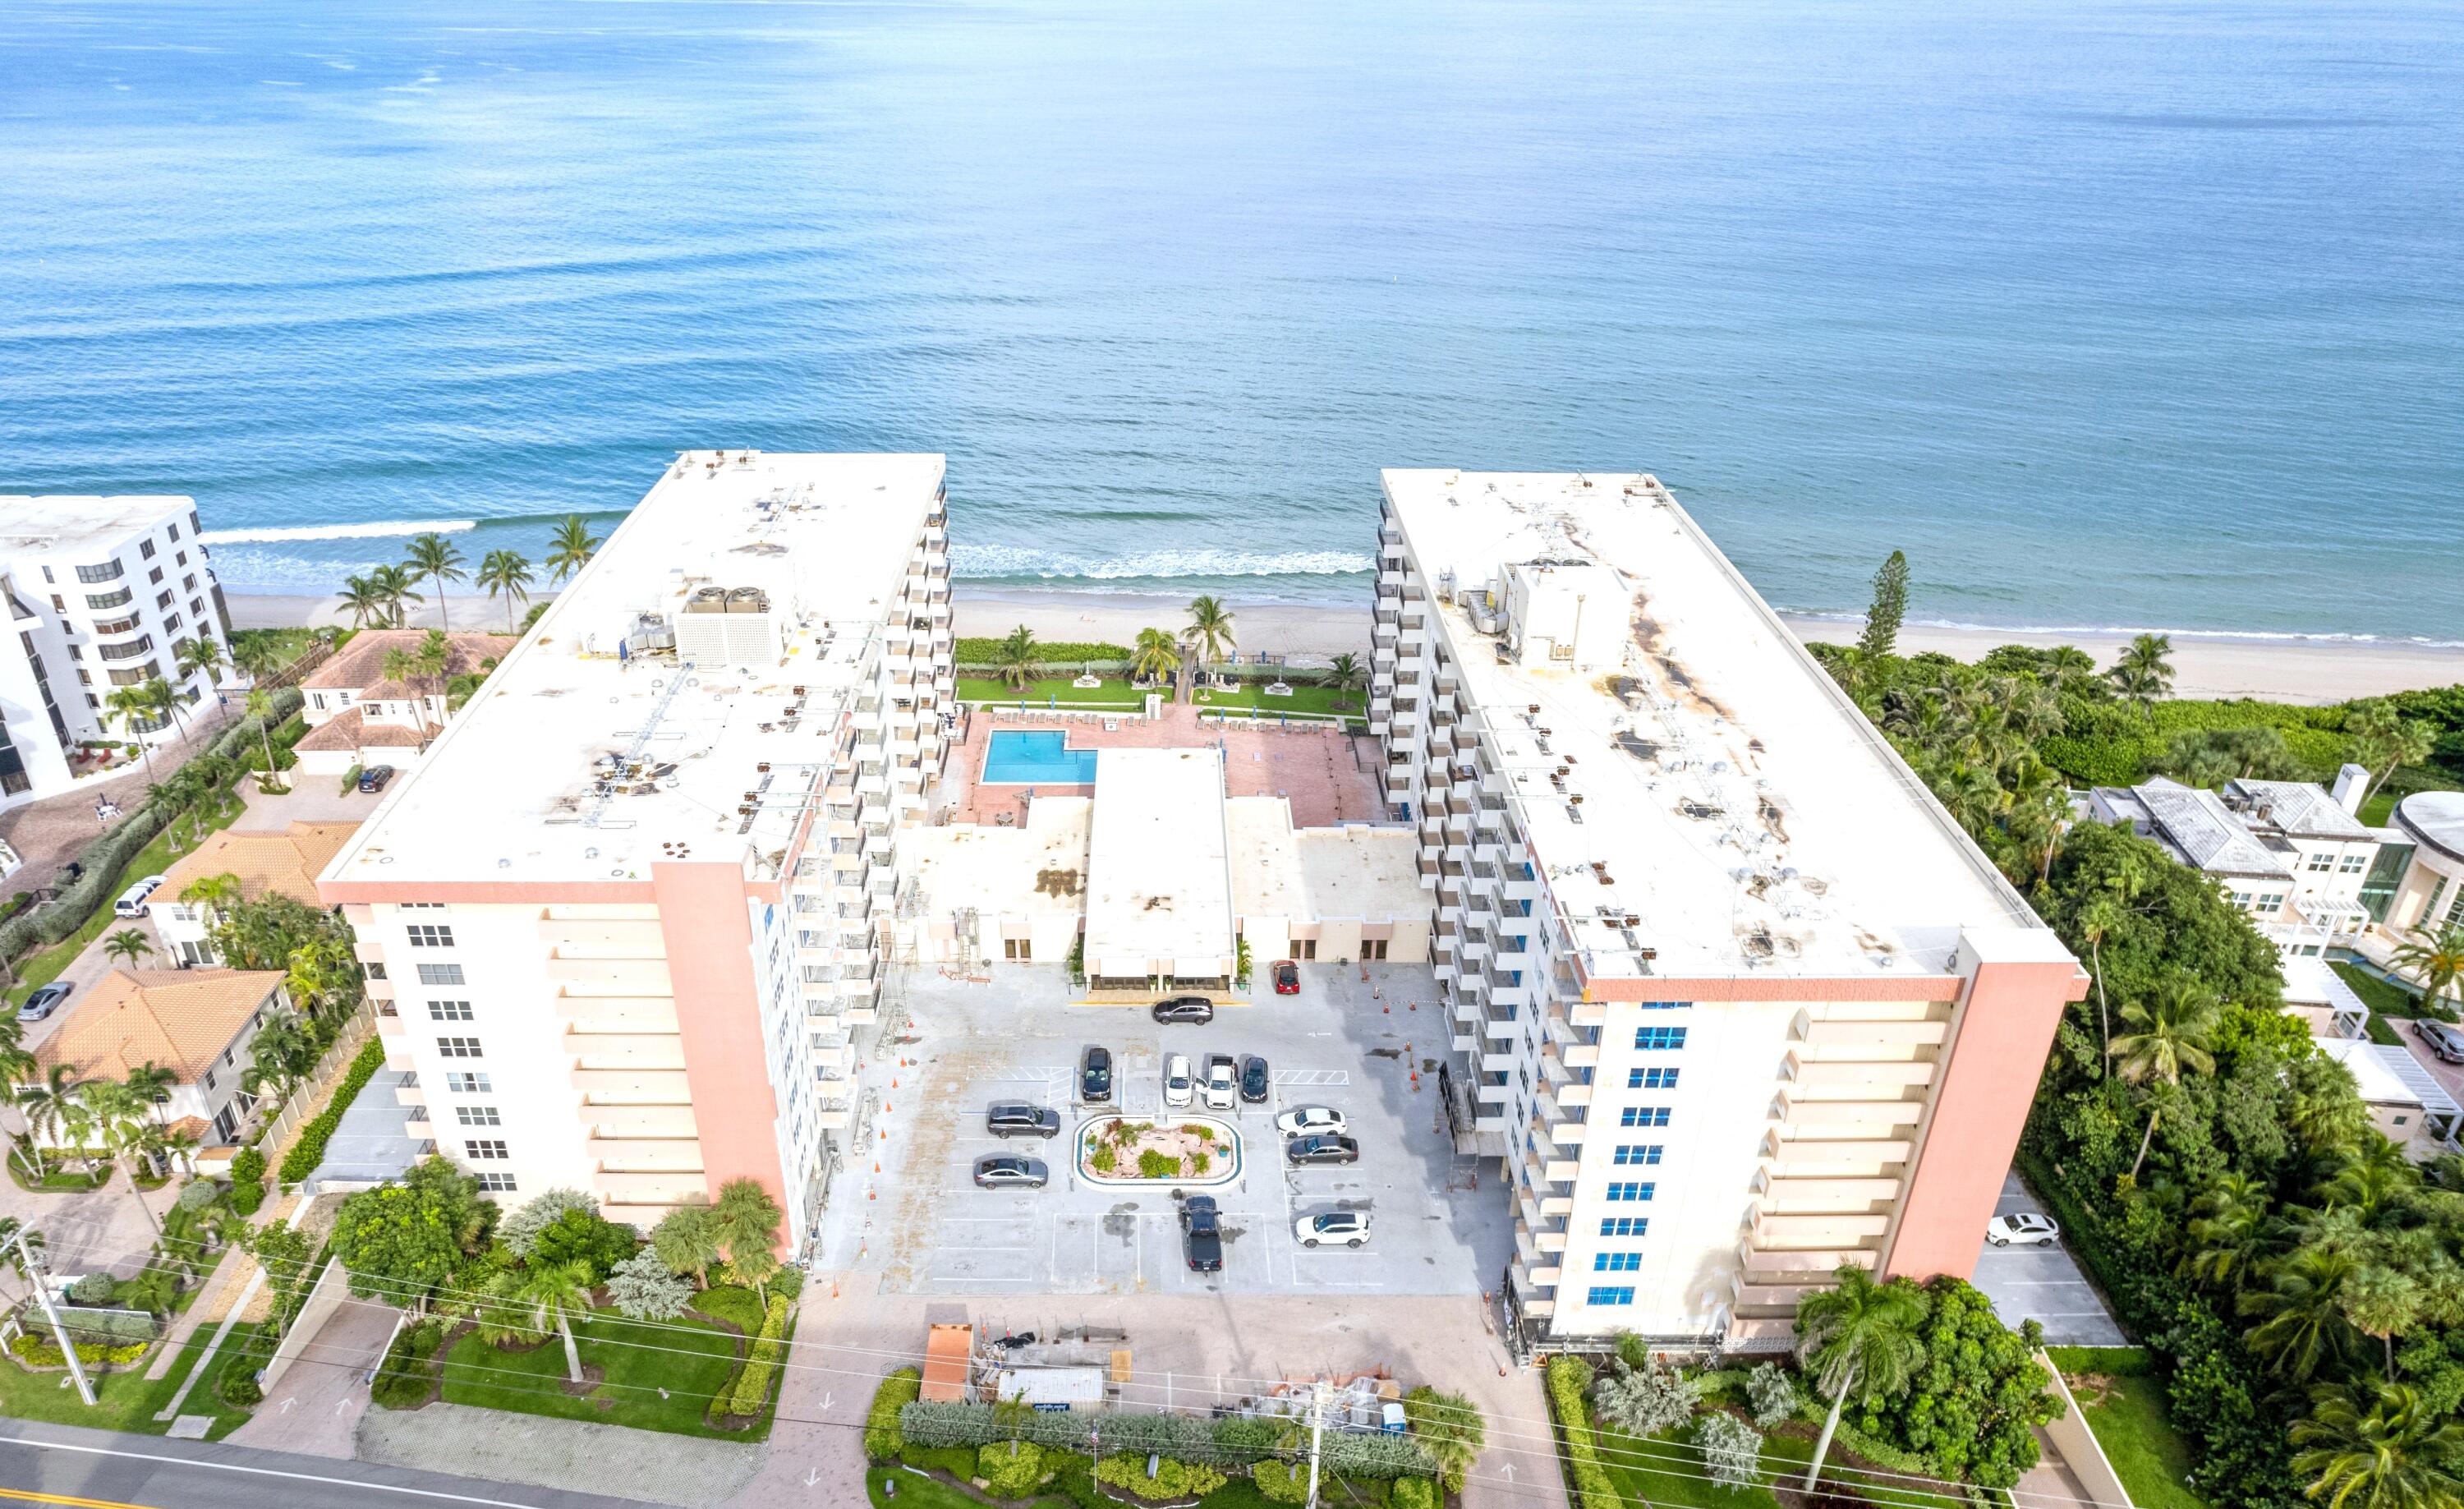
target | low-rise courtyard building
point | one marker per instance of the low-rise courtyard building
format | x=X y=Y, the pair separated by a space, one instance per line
x=199 y=1024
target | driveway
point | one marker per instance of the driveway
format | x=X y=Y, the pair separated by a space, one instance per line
x=316 y=1405
x=2042 y=1284
x=91 y=1230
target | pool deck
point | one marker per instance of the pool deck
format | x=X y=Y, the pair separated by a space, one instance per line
x=1330 y=778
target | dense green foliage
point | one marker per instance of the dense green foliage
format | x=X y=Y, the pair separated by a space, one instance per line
x=401 y=1242
x=1587 y=1481
x=1972 y=1406
x=977 y=653
x=310 y=1151
x=1172 y=1479
x=407 y=1376
x=248 y=1179
x=883 y=1440
x=762 y=1364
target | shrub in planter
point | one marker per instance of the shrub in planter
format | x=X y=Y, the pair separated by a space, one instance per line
x=248 y=1179
x=883 y=1440
x=1172 y=1479
x=1414 y=1493
x=1282 y=1482
x=92 y=1289
x=1773 y=1392
x=1010 y=1469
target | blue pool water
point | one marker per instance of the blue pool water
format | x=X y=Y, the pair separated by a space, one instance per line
x=1018 y=758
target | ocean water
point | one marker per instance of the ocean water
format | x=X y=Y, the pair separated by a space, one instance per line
x=2109 y=313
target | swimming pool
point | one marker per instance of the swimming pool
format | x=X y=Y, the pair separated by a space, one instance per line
x=1018 y=757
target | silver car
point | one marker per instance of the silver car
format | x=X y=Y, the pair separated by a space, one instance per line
x=2441 y=1038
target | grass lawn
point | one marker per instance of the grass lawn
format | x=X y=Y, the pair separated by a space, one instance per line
x=2137 y=1438
x=1682 y=1479
x=638 y=1361
x=153 y=860
x=1115 y=693
x=125 y=1400
x=1319 y=700
x=2381 y=997
x=930 y=1493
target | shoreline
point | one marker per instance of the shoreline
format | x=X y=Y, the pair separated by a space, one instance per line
x=2207 y=664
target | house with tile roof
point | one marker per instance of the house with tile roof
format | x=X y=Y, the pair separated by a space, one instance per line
x=359 y=715
x=197 y=1023
x=283 y=863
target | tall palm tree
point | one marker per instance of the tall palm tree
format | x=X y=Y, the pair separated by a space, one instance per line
x=400 y=665
x=2384 y=739
x=260 y=707
x=505 y=574
x=2228 y=1228
x=2437 y=959
x=128 y=944
x=1346 y=674
x=2378 y=1447
x=746 y=1219
x=167 y=706
x=51 y=1106
x=1860 y=1337
x=433 y=658
x=557 y=1293
x=431 y=557
x=260 y=655
x=2142 y=672
x=570 y=548
x=365 y=600
x=198 y=656
x=2098 y=919
x=1016 y=660
x=1210 y=627
x=120 y=1117
x=131 y=705
x=151 y=1083
x=2176 y=1031
x=1155 y=656
x=2302 y=1324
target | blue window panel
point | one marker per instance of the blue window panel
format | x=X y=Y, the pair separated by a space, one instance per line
x=1643 y=1116
x=1664 y=1006
x=1659 y=1039
x=1625 y=1224
x=1636 y=1153
x=1615 y=1262
x=1631 y=1192
x=1611 y=1294
x=1651 y=1078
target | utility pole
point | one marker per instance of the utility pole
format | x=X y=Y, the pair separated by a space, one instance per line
x=1317 y=1433
x=43 y=1292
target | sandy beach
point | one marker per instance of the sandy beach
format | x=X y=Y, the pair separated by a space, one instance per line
x=2316 y=671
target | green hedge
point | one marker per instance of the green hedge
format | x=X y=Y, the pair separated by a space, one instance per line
x=883 y=1440
x=2118 y=1361
x=1591 y=1488
x=973 y=652
x=35 y=1352
x=958 y=1461
x=405 y=1377
x=310 y=1151
x=762 y=1366
x=1172 y=1479
x=732 y=1303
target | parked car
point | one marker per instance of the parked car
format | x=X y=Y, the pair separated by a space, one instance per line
x=375 y=777
x=2443 y=1038
x=1177 y=1079
x=132 y=901
x=1350 y=1227
x=1000 y=1171
x=1185 y=1008
x=1327 y=1149
x=44 y=1002
x=2027 y=1229
x=1222 y=1081
x=1254 y=1079
x=1302 y=1121
x=1095 y=1075
x=1201 y=1234
x=1287 y=977
x=1017 y=1119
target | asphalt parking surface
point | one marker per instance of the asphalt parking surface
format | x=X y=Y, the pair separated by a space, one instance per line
x=2043 y=1284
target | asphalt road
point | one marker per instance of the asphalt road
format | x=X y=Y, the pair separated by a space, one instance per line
x=105 y=1469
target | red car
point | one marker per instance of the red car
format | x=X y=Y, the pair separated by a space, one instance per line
x=1287 y=977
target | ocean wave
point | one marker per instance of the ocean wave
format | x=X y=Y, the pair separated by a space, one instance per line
x=1012 y=562
x=384 y=529
x=2127 y=630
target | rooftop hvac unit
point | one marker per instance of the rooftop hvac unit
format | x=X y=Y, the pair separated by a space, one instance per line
x=722 y=628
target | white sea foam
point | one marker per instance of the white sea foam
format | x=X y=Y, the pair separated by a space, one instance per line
x=384 y=529
x=1010 y=561
x=2125 y=630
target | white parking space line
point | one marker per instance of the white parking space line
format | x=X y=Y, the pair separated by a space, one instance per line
x=1315 y=1078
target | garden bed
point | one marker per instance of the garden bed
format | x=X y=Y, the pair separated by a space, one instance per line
x=1198 y=1150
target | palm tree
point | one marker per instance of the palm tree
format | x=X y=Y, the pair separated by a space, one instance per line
x=50 y=1109
x=433 y=658
x=570 y=548
x=1859 y=1337
x=2228 y=1228
x=498 y=1314
x=394 y=585
x=687 y=1241
x=2142 y=674
x=132 y=704
x=2100 y=917
x=151 y=1083
x=1157 y=657
x=1345 y=673
x=399 y=665
x=127 y=944
x=260 y=655
x=431 y=557
x=505 y=574
x=120 y=1116
x=260 y=706
x=2177 y=1032
x=198 y=656
x=165 y=705
x=2301 y=1322
x=2437 y=958
x=1016 y=660
x=1210 y=627
x=2378 y=1447
x=558 y=1291
x=2384 y=739
x=746 y=1219
x=365 y=599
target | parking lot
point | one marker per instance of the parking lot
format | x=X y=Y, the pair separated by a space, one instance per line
x=2043 y=1284
x=1343 y=1042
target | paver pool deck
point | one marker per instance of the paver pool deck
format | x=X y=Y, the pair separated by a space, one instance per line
x=1328 y=777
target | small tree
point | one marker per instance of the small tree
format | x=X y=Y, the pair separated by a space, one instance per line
x=521 y=1225
x=643 y=1288
x=1449 y=1428
x=687 y=1241
x=1890 y=604
x=1731 y=1449
x=1773 y=1393
x=1645 y=1401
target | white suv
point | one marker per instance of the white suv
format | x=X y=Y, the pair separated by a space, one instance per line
x=132 y=901
x=1175 y=1081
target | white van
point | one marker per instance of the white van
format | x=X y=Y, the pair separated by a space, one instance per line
x=1175 y=1081
x=132 y=901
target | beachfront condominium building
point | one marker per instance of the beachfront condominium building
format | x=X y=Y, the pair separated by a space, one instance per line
x=102 y=592
x=1732 y=997
x=623 y=916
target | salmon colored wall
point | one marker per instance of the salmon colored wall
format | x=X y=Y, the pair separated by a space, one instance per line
x=1989 y=1082
x=719 y=1016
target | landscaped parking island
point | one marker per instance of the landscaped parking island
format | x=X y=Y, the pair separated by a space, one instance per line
x=1199 y=1151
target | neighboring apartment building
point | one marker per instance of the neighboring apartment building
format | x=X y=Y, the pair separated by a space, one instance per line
x=285 y=863
x=1732 y=996
x=2425 y=892
x=2288 y=855
x=100 y=591
x=623 y=919
x=359 y=715
x=197 y=1023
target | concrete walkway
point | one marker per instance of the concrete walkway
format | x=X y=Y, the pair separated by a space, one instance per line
x=225 y=1273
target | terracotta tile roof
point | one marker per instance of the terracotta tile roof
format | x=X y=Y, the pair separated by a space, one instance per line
x=348 y=730
x=194 y=1127
x=181 y=1019
x=360 y=663
x=287 y=862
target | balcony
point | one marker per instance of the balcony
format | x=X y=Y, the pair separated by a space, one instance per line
x=602 y=938
x=654 y=1189
x=1822 y=1079
x=646 y=1155
x=1827 y=1196
x=1871 y=1035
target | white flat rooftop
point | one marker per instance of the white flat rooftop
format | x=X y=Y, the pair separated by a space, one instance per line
x=1732 y=802
x=1039 y=868
x=1159 y=883
x=43 y=522
x=573 y=763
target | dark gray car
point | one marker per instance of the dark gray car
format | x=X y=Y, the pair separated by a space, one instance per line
x=2443 y=1038
x=1017 y=1119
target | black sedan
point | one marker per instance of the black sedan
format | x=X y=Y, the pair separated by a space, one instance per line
x=1254 y=1079
x=1000 y=1171
x=1095 y=1075
x=1185 y=1008
x=1201 y=1234
x=1327 y=1147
